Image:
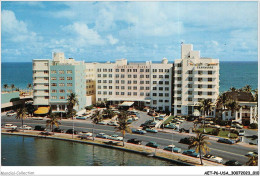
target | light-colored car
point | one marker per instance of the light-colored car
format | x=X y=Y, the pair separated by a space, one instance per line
x=112 y=123
x=102 y=135
x=37 y=118
x=26 y=127
x=11 y=113
x=152 y=130
x=213 y=158
x=10 y=126
x=241 y=132
x=252 y=153
x=116 y=137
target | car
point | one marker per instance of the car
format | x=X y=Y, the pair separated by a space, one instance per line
x=213 y=158
x=85 y=135
x=37 y=118
x=116 y=137
x=70 y=131
x=26 y=127
x=58 y=130
x=134 y=141
x=241 y=132
x=102 y=135
x=11 y=113
x=186 y=140
x=252 y=154
x=129 y=121
x=135 y=118
x=171 y=126
x=227 y=141
x=111 y=143
x=10 y=126
x=81 y=117
x=152 y=130
x=112 y=123
x=172 y=148
x=191 y=153
x=39 y=128
x=138 y=131
x=152 y=144
x=45 y=133
x=233 y=163
x=102 y=123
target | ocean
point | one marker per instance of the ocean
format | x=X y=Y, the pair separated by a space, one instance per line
x=232 y=74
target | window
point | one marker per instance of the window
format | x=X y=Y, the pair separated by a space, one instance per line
x=167 y=70
x=122 y=87
x=110 y=75
x=129 y=88
x=135 y=76
x=160 y=82
x=54 y=97
x=104 y=81
x=179 y=98
x=135 y=82
x=134 y=70
x=104 y=87
x=179 y=65
x=166 y=88
x=166 y=101
x=61 y=84
x=179 y=111
x=147 y=70
x=189 y=92
x=147 y=76
x=122 y=93
x=53 y=78
x=110 y=87
x=141 y=88
x=129 y=76
x=61 y=72
x=154 y=70
x=160 y=94
x=209 y=79
x=110 y=93
x=117 y=81
x=62 y=97
x=129 y=70
x=209 y=72
x=199 y=92
x=200 y=86
x=200 y=79
x=154 y=102
x=167 y=82
x=190 y=78
x=160 y=101
x=122 y=76
x=110 y=81
x=62 y=91
x=160 y=70
x=209 y=93
x=53 y=72
x=147 y=94
x=147 y=88
x=200 y=72
x=178 y=85
x=129 y=93
x=167 y=76
x=104 y=75
x=53 y=84
x=141 y=82
x=141 y=94
x=161 y=88
x=189 y=85
x=129 y=82
x=99 y=81
x=141 y=76
x=189 y=99
x=135 y=93
x=179 y=92
x=166 y=94
x=179 y=72
x=154 y=88
x=99 y=92
x=122 y=81
x=122 y=70
x=61 y=78
x=154 y=94
x=179 y=78
x=99 y=75
x=147 y=82
x=135 y=88
x=69 y=71
x=117 y=75
x=69 y=78
x=69 y=91
x=69 y=84
x=141 y=70
x=160 y=76
x=190 y=72
x=117 y=70
x=105 y=93
x=117 y=87
x=210 y=86
x=154 y=82
x=117 y=93
x=53 y=91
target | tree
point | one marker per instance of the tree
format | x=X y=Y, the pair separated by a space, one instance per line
x=96 y=118
x=253 y=160
x=206 y=106
x=21 y=114
x=256 y=95
x=200 y=144
x=6 y=86
x=247 y=88
x=29 y=86
x=108 y=113
x=232 y=105
x=72 y=101
x=52 y=121
x=233 y=89
x=222 y=102
x=12 y=87
x=123 y=126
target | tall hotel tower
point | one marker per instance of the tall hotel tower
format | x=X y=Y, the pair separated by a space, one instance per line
x=194 y=79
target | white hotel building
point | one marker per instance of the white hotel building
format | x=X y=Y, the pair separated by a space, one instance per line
x=194 y=79
x=177 y=87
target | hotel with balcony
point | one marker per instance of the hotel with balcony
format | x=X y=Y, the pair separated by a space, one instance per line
x=194 y=79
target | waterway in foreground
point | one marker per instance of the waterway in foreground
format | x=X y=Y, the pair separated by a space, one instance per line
x=33 y=151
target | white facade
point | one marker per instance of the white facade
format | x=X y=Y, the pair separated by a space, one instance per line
x=195 y=79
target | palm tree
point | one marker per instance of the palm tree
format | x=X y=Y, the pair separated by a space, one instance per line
x=52 y=121
x=247 y=88
x=123 y=126
x=6 y=86
x=233 y=89
x=222 y=101
x=21 y=113
x=232 y=105
x=96 y=118
x=29 y=86
x=206 y=106
x=12 y=87
x=253 y=160
x=200 y=144
x=72 y=101
x=109 y=113
x=255 y=95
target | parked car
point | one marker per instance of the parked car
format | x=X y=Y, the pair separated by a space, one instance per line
x=233 y=163
x=152 y=144
x=102 y=135
x=191 y=153
x=134 y=141
x=138 y=131
x=58 y=130
x=152 y=130
x=241 y=132
x=70 y=131
x=26 y=127
x=102 y=123
x=252 y=153
x=135 y=118
x=129 y=121
x=112 y=123
x=171 y=126
x=11 y=113
x=186 y=140
x=85 y=135
x=39 y=128
x=111 y=143
x=172 y=148
x=81 y=117
x=213 y=158
x=116 y=137
x=10 y=126
x=37 y=118
x=227 y=141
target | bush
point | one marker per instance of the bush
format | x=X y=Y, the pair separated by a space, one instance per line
x=215 y=132
x=253 y=126
x=89 y=107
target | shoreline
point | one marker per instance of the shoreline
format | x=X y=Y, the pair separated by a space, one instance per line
x=139 y=149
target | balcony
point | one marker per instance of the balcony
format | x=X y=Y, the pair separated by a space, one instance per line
x=41 y=87
x=40 y=93
x=40 y=74
x=40 y=81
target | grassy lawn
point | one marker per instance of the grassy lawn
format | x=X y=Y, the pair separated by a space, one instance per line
x=168 y=120
x=221 y=132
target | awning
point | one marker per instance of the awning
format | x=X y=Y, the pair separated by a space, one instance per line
x=42 y=110
x=127 y=103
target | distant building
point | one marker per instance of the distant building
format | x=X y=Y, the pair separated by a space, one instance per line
x=248 y=111
x=194 y=79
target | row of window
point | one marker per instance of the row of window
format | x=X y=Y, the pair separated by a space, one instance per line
x=190 y=92
x=190 y=72
x=61 y=91
x=161 y=88
x=133 y=70
x=61 y=71
x=55 y=97
x=61 y=78
x=210 y=86
x=104 y=70
x=160 y=101
x=61 y=84
x=190 y=99
x=160 y=94
x=199 y=79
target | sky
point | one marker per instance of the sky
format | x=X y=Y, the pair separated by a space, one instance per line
x=137 y=31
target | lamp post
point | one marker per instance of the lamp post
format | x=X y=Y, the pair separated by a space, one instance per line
x=172 y=140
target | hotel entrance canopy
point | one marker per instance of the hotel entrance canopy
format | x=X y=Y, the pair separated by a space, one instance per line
x=127 y=103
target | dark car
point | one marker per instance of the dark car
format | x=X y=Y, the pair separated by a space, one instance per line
x=138 y=131
x=186 y=140
x=70 y=131
x=152 y=144
x=39 y=128
x=134 y=141
x=191 y=153
x=233 y=163
x=58 y=130
x=227 y=141
x=45 y=133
